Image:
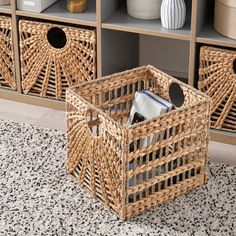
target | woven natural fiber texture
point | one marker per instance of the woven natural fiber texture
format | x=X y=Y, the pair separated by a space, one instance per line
x=217 y=79
x=7 y=71
x=48 y=69
x=110 y=159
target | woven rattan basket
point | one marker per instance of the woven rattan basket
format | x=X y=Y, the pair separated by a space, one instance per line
x=7 y=71
x=217 y=79
x=55 y=57
x=106 y=156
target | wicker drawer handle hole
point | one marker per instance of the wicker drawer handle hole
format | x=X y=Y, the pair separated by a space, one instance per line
x=234 y=66
x=56 y=37
x=176 y=94
x=93 y=123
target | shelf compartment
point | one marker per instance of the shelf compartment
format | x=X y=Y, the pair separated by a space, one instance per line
x=209 y=35
x=58 y=12
x=120 y=20
x=120 y=51
x=205 y=31
x=168 y=55
x=5 y=9
x=123 y=50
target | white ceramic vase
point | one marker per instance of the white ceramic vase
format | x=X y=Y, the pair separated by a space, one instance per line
x=144 y=9
x=173 y=14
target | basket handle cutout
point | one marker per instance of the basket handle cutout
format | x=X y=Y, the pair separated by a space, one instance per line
x=57 y=37
x=176 y=94
x=234 y=66
x=94 y=123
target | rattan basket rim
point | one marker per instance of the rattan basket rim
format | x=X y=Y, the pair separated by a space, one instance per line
x=218 y=49
x=145 y=67
x=99 y=111
x=7 y=20
x=6 y=17
x=143 y=123
x=55 y=25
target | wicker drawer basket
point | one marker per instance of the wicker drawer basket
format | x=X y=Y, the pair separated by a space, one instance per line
x=106 y=157
x=217 y=79
x=55 y=57
x=7 y=70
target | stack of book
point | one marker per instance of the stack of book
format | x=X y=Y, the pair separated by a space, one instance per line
x=148 y=105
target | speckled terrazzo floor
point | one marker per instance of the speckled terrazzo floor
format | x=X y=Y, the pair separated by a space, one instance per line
x=37 y=197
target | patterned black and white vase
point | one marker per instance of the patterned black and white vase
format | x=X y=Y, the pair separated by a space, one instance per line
x=173 y=14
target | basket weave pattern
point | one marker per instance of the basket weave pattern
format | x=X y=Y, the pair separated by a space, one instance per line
x=48 y=71
x=217 y=79
x=7 y=71
x=106 y=156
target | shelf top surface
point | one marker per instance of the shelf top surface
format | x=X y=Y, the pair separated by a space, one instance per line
x=209 y=35
x=5 y=9
x=120 y=20
x=58 y=12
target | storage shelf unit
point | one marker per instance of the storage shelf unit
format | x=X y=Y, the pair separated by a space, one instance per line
x=124 y=42
x=120 y=20
x=5 y=9
x=58 y=12
x=208 y=35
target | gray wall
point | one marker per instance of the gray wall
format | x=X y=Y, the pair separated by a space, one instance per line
x=171 y=56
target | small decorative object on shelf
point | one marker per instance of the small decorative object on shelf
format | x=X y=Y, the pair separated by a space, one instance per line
x=144 y=9
x=217 y=79
x=7 y=71
x=76 y=6
x=5 y=2
x=34 y=5
x=134 y=168
x=225 y=17
x=173 y=14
